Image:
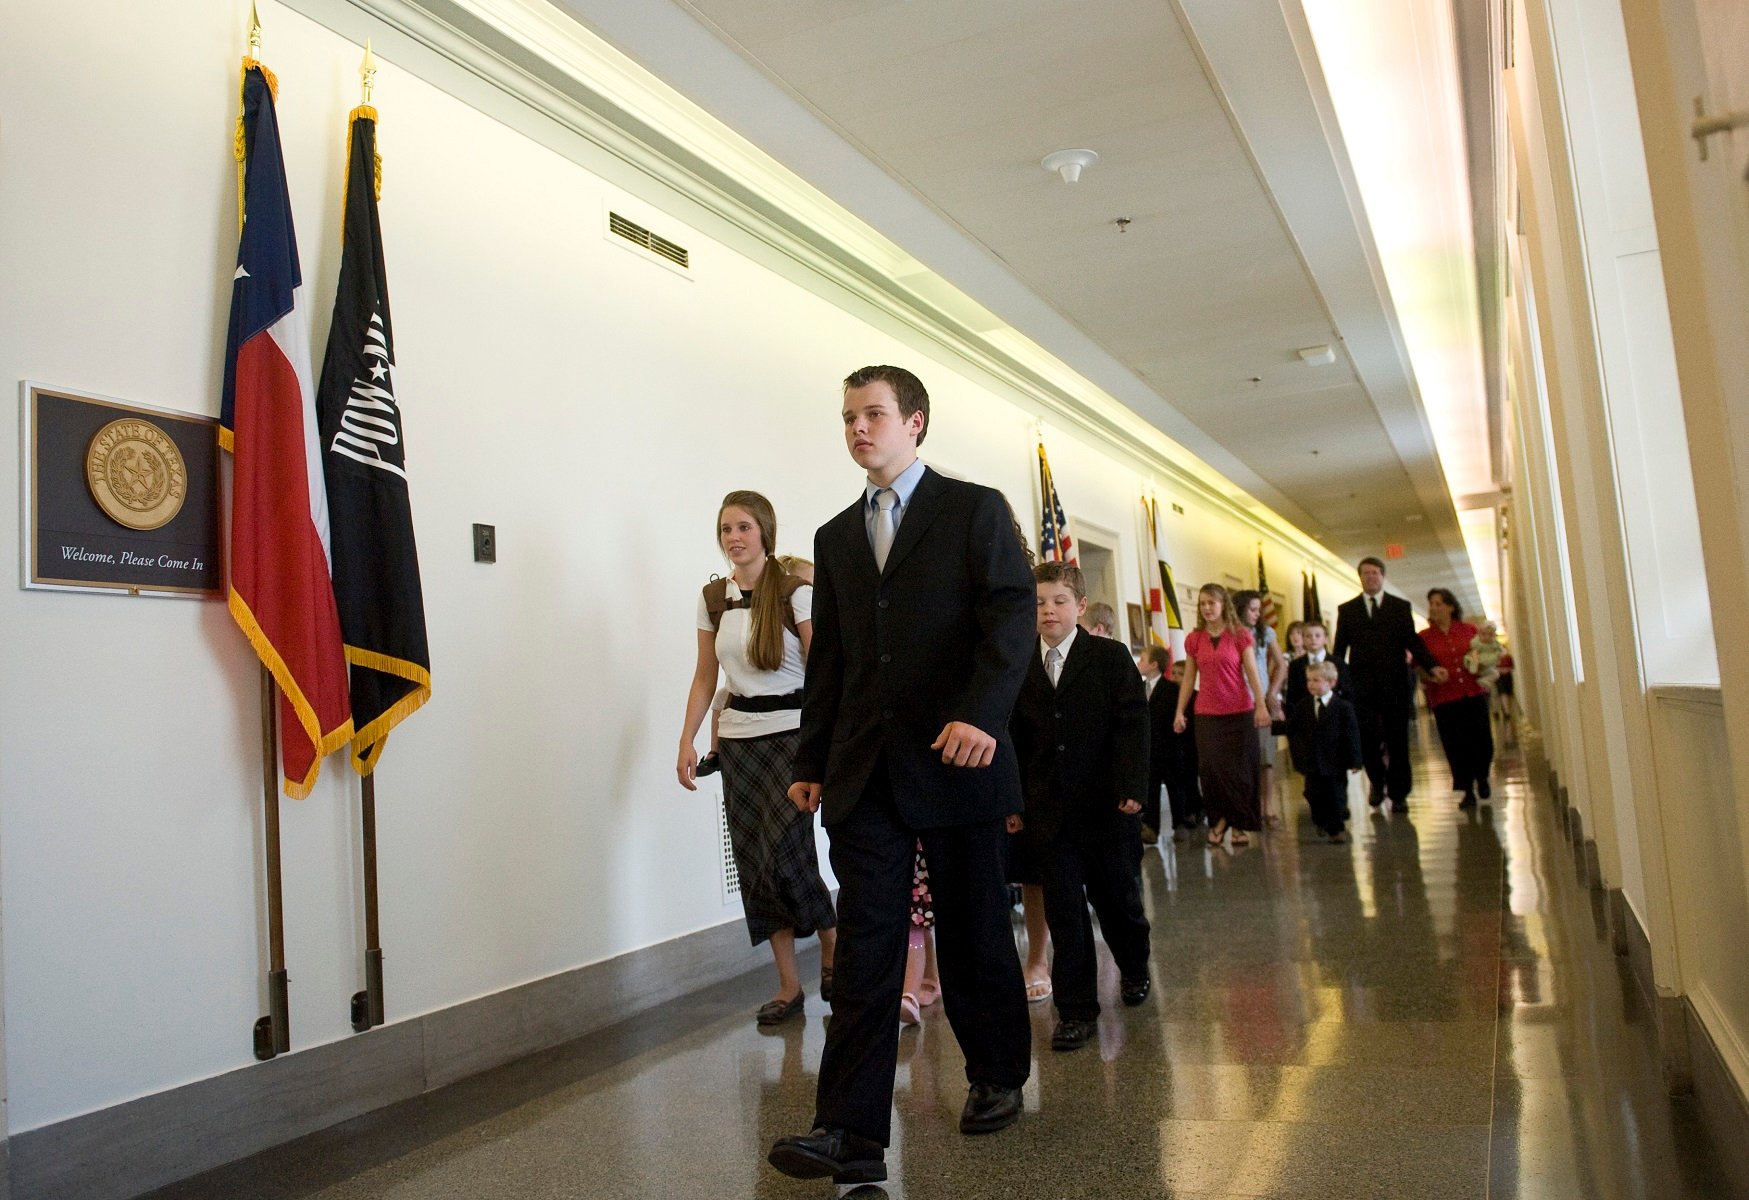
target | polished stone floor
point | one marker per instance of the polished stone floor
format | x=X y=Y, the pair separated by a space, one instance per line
x=1430 y=1012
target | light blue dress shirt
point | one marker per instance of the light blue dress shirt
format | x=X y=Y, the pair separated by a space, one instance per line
x=902 y=487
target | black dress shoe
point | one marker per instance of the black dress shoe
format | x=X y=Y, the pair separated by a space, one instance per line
x=1072 y=1035
x=1377 y=798
x=1399 y=806
x=989 y=1107
x=776 y=1012
x=1134 y=991
x=1469 y=800
x=844 y=1156
x=1483 y=789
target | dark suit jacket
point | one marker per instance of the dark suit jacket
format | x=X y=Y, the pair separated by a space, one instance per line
x=941 y=635
x=1083 y=745
x=1162 y=707
x=1294 y=692
x=1326 y=746
x=1373 y=649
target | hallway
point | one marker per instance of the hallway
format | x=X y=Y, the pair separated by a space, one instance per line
x=1432 y=1011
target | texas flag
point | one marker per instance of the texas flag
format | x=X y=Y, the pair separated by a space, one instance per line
x=281 y=595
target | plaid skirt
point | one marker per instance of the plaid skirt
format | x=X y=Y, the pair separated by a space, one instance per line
x=772 y=840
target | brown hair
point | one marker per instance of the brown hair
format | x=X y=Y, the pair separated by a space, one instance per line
x=765 y=615
x=1229 y=617
x=1369 y=560
x=1451 y=601
x=1064 y=573
x=908 y=390
x=1101 y=613
x=1159 y=656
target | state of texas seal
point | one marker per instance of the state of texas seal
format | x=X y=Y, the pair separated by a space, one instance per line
x=136 y=474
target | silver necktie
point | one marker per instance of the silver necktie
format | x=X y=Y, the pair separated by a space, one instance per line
x=884 y=529
x=1053 y=663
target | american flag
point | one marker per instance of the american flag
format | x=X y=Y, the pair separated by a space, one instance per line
x=1054 y=542
x=1268 y=609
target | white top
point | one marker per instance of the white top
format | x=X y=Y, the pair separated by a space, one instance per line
x=745 y=679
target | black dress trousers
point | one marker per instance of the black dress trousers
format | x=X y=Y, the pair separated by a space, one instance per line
x=982 y=990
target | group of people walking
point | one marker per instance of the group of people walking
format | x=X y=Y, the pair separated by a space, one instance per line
x=938 y=703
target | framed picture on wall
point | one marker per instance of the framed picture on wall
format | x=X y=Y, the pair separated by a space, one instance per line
x=1138 y=628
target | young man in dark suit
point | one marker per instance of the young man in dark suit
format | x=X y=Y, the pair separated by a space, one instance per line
x=923 y=623
x=1081 y=732
x=1324 y=738
x=1374 y=633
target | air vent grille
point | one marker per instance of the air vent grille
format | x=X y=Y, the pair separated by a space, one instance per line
x=731 y=875
x=631 y=231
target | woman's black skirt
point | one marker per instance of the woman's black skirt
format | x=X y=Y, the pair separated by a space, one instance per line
x=1227 y=765
x=772 y=840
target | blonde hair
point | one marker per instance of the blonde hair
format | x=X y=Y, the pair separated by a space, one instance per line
x=765 y=614
x=1323 y=670
x=1229 y=617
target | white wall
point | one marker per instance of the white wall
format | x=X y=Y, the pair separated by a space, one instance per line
x=590 y=404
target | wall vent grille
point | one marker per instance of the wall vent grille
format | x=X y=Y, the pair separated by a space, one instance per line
x=731 y=876
x=633 y=232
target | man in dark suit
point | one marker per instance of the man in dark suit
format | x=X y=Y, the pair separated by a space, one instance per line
x=1080 y=731
x=923 y=623
x=1375 y=637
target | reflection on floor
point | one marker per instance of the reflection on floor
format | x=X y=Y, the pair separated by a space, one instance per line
x=1432 y=1011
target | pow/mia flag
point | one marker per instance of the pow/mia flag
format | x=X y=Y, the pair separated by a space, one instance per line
x=375 y=563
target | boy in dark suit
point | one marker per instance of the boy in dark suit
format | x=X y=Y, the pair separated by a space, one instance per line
x=1316 y=639
x=1324 y=738
x=1162 y=697
x=922 y=634
x=1080 y=730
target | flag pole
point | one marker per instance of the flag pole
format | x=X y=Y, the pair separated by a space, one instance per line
x=273 y=1032
x=367 y=1006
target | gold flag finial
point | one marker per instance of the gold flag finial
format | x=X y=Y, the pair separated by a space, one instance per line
x=367 y=72
x=254 y=31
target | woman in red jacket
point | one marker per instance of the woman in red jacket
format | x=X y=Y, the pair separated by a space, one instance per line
x=1460 y=704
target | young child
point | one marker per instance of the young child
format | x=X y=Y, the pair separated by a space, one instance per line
x=1155 y=662
x=1324 y=738
x=1101 y=619
x=1080 y=730
x=1483 y=659
x=1183 y=793
x=1316 y=639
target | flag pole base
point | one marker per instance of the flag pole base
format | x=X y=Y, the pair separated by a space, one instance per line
x=367 y=1006
x=273 y=1032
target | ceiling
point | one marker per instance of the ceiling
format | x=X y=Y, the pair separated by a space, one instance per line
x=1219 y=140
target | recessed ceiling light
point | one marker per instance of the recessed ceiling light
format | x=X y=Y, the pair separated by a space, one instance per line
x=1317 y=356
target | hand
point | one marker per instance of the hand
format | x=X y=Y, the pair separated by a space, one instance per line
x=686 y=768
x=1015 y=822
x=964 y=745
x=805 y=796
x=1178 y=723
x=1440 y=674
x=1261 y=718
x=1130 y=808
